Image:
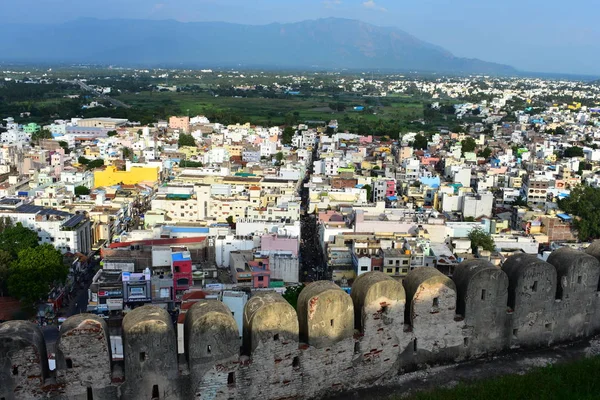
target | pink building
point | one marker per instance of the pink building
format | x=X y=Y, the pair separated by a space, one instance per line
x=365 y=139
x=390 y=188
x=182 y=123
x=275 y=243
x=261 y=274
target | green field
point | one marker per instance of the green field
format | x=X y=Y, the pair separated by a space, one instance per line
x=574 y=381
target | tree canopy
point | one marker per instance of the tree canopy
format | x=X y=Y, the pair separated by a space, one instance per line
x=573 y=151
x=583 y=203
x=480 y=238
x=369 y=190
x=34 y=271
x=186 y=140
x=111 y=133
x=420 y=142
x=81 y=190
x=485 y=153
x=16 y=238
x=41 y=134
x=287 y=135
x=95 y=164
x=292 y=293
x=468 y=145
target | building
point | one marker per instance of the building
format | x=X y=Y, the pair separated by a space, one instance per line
x=111 y=176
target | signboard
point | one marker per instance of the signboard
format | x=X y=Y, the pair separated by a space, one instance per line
x=110 y=292
x=114 y=304
x=102 y=307
x=94 y=297
x=214 y=286
x=126 y=276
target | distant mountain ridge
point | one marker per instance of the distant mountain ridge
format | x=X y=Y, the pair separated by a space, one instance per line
x=325 y=43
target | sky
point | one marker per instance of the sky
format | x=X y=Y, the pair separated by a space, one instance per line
x=531 y=35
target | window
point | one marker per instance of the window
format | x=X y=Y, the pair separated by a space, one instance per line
x=405 y=262
x=389 y=270
x=15 y=370
x=90 y=394
x=331 y=323
x=155 y=395
x=436 y=302
x=177 y=269
x=579 y=279
x=357 y=347
x=261 y=278
x=231 y=378
x=364 y=268
x=483 y=293
x=69 y=363
x=548 y=326
x=208 y=349
x=466 y=342
x=534 y=286
x=296 y=362
x=276 y=336
x=415 y=345
x=142 y=356
x=515 y=332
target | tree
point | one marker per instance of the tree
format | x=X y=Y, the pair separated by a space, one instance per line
x=292 y=293
x=479 y=238
x=560 y=130
x=420 y=142
x=485 y=153
x=81 y=190
x=127 y=153
x=111 y=133
x=5 y=223
x=583 y=203
x=65 y=146
x=230 y=221
x=5 y=260
x=287 y=135
x=17 y=238
x=573 y=151
x=186 y=140
x=279 y=157
x=369 y=190
x=468 y=145
x=83 y=161
x=41 y=134
x=34 y=271
x=95 y=164
x=519 y=202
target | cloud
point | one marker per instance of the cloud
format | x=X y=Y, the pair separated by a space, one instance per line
x=158 y=6
x=331 y=3
x=371 y=5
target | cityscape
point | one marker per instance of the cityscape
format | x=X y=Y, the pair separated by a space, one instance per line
x=276 y=232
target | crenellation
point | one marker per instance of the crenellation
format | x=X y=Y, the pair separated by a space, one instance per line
x=383 y=329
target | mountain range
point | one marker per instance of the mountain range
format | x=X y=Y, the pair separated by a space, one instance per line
x=324 y=43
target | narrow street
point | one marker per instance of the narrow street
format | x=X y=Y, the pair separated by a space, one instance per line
x=312 y=265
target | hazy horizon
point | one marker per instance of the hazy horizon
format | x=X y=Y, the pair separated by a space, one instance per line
x=530 y=36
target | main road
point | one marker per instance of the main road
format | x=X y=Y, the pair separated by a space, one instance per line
x=112 y=101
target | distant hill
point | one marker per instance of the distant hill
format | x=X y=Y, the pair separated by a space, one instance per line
x=324 y=43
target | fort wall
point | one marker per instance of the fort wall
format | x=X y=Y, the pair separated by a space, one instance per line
x=334 y=342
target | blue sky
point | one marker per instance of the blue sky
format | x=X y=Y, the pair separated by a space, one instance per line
x=532 y=35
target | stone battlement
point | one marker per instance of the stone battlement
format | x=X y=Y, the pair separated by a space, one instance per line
x=334 y=342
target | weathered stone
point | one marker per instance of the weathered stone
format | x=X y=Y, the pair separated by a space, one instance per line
x=325 y=314
x=531 y=293
x=83 y=356
x=268 y=317
x=482 y=310
x=482 y=291
x=149 y=351
x=23 y=360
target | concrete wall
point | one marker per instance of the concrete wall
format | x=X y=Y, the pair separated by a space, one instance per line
x=379 y=331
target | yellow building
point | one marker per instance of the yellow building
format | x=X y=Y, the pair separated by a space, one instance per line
x=110 y=176
x=189 y=151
